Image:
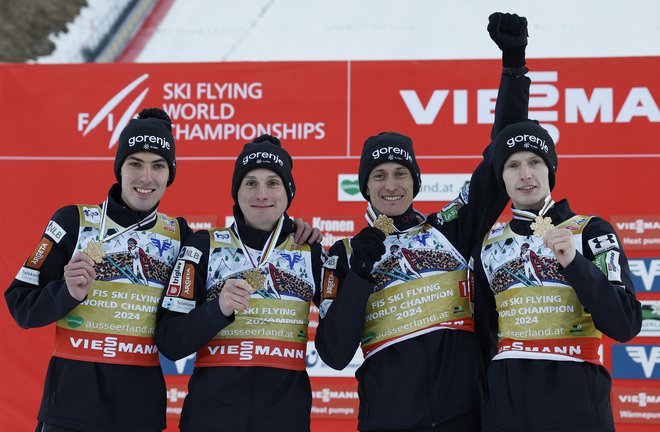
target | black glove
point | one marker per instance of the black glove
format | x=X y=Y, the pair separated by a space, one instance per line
x=367 y=247
x=509 y=32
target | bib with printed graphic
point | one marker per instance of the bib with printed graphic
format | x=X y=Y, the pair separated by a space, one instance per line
x=116 y=322
x=420 y=286
x=272 y=332
x=539 y=313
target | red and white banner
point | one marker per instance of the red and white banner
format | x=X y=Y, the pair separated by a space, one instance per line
x=60 y=125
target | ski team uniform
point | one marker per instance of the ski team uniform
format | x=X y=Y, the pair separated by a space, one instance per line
x=546 y=372
x=250 y=370
x=422 y=367
x=104 y=344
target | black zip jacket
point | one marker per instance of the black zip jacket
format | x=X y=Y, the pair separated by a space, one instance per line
x=233 y=398
x=88 y=396
x=546 y=395
x=433 y=381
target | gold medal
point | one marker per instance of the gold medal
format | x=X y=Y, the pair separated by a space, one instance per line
x=541 y=225
x=95 y=251
x=385 y=224
x=255 y=279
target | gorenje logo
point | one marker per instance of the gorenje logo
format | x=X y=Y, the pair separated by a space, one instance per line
x=105 y=113
x=263 y=157
x=528 y=139
x=394 y=153
x=162 y=142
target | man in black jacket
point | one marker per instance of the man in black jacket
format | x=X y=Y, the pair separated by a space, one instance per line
x=239 y=297
x=548 y=285
x=104 y=374
x=409 y=307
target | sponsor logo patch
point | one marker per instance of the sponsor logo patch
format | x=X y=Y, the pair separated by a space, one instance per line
x=603 y=243
x=221 y=236
x=55 y=231
x=330 y=284
x=40 y=254
x=92 y=215
x=168 y=224
x=174 y=288
x=187 y=286
x=331 y=262
x=176 y=304
x=28 y=275
x=190 y=253
x=323 y=308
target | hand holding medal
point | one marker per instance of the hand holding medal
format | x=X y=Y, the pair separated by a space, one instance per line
x=234 y=296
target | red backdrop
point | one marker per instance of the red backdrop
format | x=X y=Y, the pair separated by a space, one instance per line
x=59 y=125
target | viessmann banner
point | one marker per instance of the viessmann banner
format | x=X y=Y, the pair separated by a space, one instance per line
x=60 y=125
x=320 y=109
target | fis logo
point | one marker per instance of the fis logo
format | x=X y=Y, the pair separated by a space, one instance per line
x=85 y=125
x=635 y=361
x=644 y=274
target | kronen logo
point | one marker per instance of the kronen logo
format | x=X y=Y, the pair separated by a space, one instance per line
x=105 y=114
x=435 y=187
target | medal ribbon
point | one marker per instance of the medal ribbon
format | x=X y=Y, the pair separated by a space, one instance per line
x=531 y=216
x=371 y=217
x=268 y=247
x=104 y=211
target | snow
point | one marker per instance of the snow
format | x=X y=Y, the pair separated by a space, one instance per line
x=83 y=31
x=272 y=30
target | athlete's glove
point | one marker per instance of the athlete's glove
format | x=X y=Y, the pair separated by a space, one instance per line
x=509 y=32
x=367 y=247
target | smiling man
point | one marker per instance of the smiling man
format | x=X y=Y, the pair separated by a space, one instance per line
x=98 y=273
x=400 y=292
x=548 y=285
x=240 y=299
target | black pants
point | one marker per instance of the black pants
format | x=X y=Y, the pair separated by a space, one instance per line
x=470 y=422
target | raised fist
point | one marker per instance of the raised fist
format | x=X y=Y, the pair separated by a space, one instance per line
x=509 y=32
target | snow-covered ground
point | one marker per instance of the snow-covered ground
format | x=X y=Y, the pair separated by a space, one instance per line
x=264 y=30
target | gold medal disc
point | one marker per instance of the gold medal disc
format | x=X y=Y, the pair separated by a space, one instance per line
x=541 y=226
x=385 y=224
x=95 y=251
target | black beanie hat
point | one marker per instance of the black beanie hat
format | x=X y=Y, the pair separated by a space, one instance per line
x=388 y=147
x=524 y=136
x=265 y=152
x=151 y=132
